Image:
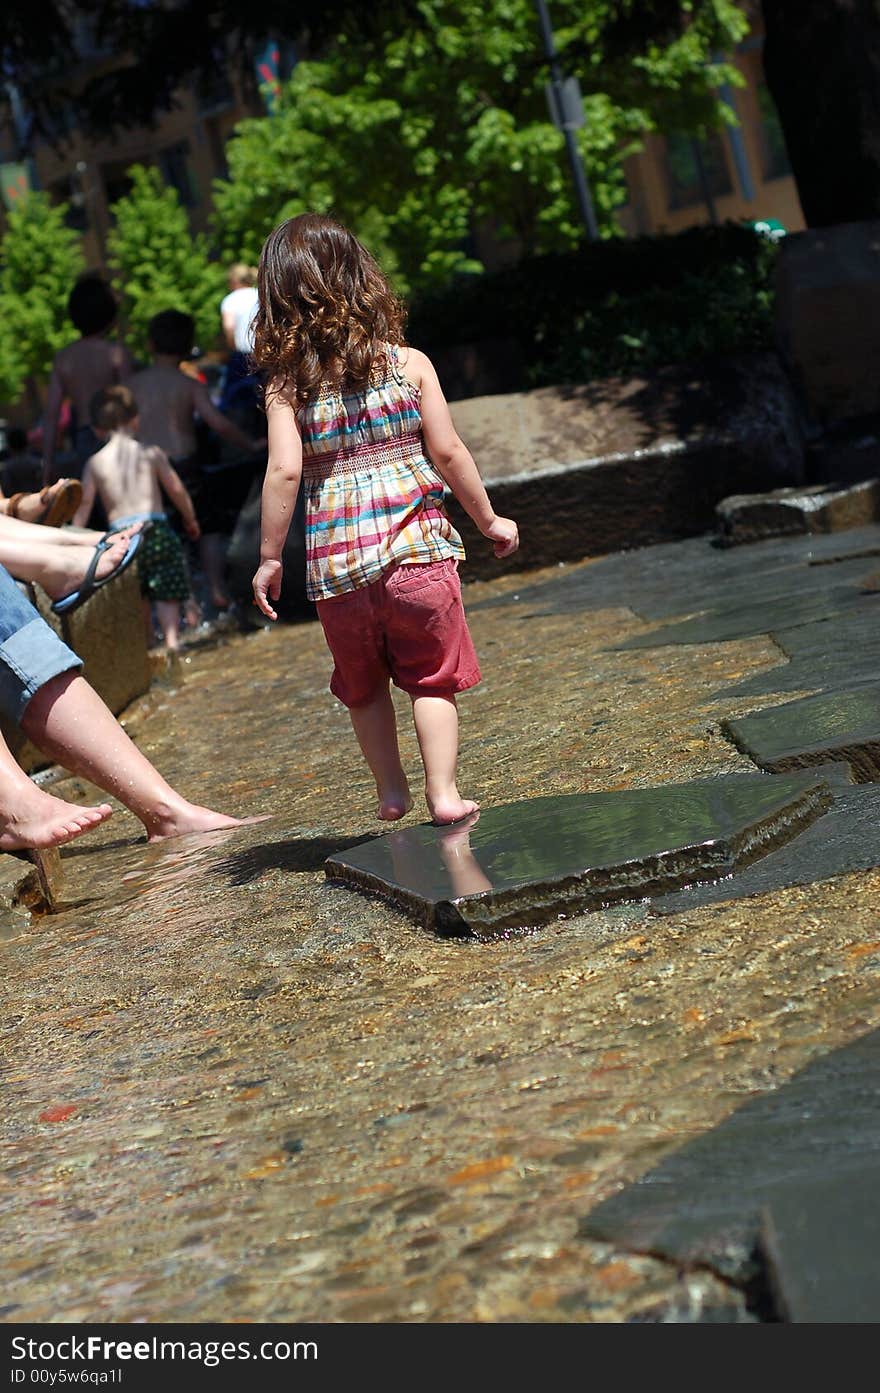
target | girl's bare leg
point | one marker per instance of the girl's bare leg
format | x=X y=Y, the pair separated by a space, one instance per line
x=436 y=722
x=68 y=720
x=375 y=726
x=30 y=817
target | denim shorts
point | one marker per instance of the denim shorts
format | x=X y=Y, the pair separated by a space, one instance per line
x=30 y=652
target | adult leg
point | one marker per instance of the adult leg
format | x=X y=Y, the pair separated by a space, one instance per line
x=375 y=726
x=32 y=818
x=58 y=569
x=15 y=530
x=68 y=720
x=436 y=722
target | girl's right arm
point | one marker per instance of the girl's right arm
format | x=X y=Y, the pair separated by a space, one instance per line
x=280 y=489
x=452 y=457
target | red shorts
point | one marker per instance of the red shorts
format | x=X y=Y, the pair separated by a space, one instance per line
x=408 y=625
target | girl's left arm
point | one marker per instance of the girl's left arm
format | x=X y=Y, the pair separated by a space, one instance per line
x=280 y=489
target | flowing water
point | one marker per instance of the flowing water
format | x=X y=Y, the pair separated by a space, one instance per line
x=235 y=1091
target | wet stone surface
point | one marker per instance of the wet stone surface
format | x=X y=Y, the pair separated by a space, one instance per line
x=233 y=1091
x=818 y=1242
x=523 y=864
x=843 y=724
x=774 y=1158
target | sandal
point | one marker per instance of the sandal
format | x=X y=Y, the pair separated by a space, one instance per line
x=62 y=507
x=58 y=507
x=88 y=585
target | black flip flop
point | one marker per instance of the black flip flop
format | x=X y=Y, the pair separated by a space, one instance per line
x=88 y=585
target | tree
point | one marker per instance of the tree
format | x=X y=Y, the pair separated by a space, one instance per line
x=420 y=133
x=822 y=61
x=157 y=49
x=40 y=259
x=158 y=264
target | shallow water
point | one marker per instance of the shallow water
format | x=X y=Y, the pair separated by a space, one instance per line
x=235 y=1091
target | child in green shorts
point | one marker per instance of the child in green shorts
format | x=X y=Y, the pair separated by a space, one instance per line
x=130 y=478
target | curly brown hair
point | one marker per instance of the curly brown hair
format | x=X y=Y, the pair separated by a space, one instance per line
x=326 y=310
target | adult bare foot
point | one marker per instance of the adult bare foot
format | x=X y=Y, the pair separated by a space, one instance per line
x=449 y=806
x=67 y=566
x=37 y=820
x=180 y=819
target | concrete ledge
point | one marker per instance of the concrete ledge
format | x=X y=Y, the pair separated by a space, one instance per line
x=590 y=469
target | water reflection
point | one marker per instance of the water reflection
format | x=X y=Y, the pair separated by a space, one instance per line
x=523 y=863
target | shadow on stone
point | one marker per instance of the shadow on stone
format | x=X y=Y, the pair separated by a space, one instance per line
x=298 y=854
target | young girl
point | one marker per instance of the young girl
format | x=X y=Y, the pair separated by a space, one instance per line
x=364 y=422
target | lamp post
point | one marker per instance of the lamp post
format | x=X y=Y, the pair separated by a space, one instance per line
x=567 y=110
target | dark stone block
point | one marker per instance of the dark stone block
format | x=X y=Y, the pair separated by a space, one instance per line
x=820 y=1241
x=702 y=1205
x=846 y=838
x=828 y=317
x=243 y=558
x=526 y=863
x=820 y=508
x=843 y=724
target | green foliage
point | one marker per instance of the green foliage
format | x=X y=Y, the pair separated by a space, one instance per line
x=40 y=259
x=157 y=262
x=425 y=132
x=615 y=307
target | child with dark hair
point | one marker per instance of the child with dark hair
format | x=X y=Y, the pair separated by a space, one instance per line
x=170 y=405
x=129 y=478
x=362 y=422
x=83 y=368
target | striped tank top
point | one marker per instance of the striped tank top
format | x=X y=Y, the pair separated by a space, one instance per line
x=373 y=499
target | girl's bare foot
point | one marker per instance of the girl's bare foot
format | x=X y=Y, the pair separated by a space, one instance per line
x=394 y=803
x=447 y=806
x=38 y=820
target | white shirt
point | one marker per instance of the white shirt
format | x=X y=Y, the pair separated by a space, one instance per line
x=242 y=303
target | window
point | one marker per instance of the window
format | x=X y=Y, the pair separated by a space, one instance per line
x=684 y=155
x=771 y=142
x=72 y=192
x=173 y=164
x=116 y=181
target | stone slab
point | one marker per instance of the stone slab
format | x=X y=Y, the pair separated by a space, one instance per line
x=820 y=1241
x=780 y=512
x=702 y=1205
x=846 y=838
x=842 y=724
x=663 y=582
x=524 y=864
x=783 y=611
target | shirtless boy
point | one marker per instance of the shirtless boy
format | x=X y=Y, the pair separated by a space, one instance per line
x=83 y=368
x=129 y=477
x=169 y=402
